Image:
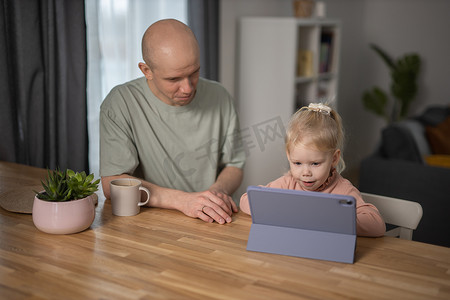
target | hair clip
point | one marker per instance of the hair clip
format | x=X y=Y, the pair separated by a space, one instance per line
x=319 y=107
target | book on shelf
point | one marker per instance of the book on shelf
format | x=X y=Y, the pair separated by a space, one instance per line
x=326 y=47
x=305 y=63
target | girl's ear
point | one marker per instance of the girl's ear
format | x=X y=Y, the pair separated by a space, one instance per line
x=336 y=157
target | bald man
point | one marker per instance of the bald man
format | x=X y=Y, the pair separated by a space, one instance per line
x=176 y=132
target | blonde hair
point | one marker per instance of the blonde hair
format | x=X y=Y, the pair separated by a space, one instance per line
x=320 y=125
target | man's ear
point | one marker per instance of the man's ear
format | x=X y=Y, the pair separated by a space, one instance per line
x=145 y=69
x=336 y=157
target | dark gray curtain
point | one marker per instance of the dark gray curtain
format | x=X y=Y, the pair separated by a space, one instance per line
x=43 y=120
x=203 y=18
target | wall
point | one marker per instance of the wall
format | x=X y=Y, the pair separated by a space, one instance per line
x=398 y=26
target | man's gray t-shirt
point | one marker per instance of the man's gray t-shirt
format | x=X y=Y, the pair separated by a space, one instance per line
x=178 y=147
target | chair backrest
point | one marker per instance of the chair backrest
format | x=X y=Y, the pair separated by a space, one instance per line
x=402 y=213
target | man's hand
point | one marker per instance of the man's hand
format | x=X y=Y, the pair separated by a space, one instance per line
x=209 y=206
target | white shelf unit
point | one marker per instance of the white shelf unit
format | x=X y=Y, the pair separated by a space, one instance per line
x=270 y=90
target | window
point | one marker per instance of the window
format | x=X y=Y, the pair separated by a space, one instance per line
x=114 y=33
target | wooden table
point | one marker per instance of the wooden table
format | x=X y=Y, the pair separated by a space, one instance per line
x=162 y=254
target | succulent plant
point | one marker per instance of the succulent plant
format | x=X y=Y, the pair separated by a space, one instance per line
x=67 y=185
x=81 y=185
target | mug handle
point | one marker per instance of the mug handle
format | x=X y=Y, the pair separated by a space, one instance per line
x=141 y=188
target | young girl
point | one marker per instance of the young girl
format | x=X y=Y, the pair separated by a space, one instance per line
x=314 y=139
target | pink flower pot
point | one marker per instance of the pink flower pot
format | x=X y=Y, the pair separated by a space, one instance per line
x=64 y=217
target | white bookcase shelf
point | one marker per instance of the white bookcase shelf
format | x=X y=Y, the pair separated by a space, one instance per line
x=284 y=63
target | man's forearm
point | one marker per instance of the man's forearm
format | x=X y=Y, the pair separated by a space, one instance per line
x=228 y=180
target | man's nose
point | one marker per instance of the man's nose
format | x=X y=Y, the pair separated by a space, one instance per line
x=186 y=86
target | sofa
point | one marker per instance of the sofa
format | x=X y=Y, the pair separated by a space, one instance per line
x=412 y=162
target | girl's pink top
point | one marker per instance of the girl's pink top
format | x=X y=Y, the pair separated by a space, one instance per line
x=368 y=219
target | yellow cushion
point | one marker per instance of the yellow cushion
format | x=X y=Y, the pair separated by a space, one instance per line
x=439 y=137
x=438 y=160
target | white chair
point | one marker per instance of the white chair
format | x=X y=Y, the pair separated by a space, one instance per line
x=402 y=213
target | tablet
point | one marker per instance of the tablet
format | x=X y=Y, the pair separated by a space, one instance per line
x=305 y=224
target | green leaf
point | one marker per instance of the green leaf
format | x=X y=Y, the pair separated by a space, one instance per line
x=90 y=178
x=376 y=101
x=386 y=58
x=70 y=173
x=404 y=78
x=78 y=177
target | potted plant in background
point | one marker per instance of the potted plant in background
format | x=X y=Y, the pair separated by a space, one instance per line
x=67 y=203
x=404 y=72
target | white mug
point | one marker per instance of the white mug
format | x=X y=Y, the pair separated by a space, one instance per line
x=126 y=196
